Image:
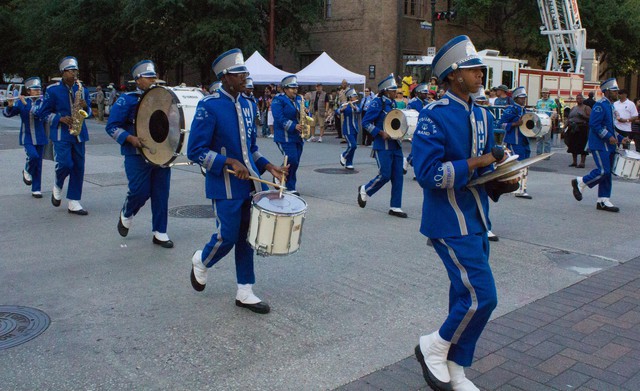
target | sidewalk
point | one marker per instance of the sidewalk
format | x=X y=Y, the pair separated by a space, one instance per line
x=584 y=337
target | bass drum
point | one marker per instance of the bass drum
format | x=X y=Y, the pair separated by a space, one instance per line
x=163 y=122
x=535 y=124
x=412 y=121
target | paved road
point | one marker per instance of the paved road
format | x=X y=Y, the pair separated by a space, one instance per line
x=353 y=300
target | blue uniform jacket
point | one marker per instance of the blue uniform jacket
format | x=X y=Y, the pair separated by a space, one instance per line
x=416 y=104
x=601 y=126
x=285 y=119
x=32 y=131
x=225 y=127
x=513 y=135
x=373 y=122
x=449 y=132
x=350 y=121
x=57 y=103
x=121 y=121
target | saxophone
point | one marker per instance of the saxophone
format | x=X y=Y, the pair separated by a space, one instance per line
x=77 y=113
x=304 y=120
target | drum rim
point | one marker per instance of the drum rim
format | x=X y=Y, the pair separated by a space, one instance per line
x=399 y=138
x=289 y=214
x=175 y=101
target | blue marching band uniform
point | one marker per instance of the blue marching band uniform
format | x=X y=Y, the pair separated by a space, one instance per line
x=33 y=136
x=350 y=123
x=417 y=103
x=456 y=217
x=286 y=111
x=601 y=134
x=146 y=180
x=69 y=150
x=224 y=127
x=517 y=142
x=388 y=153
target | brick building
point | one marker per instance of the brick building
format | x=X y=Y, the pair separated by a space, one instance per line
x=372 y=37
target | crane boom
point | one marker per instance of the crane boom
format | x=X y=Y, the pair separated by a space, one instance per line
x=567 y=39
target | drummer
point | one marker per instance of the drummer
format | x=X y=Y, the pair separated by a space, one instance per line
x=517 y=142
x=218 y=142
x=603 y=141
x=387 y=151
x=146 y=180
x=417 y=103
x=351 y=112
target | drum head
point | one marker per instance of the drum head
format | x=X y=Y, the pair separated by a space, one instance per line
x=395 y=124
x=288 y=205
x=159 y=121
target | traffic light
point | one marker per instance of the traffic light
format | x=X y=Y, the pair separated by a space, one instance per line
x=444 y=15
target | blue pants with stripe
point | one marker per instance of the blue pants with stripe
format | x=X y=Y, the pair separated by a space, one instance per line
x=33 y=165
x=390 y=169
x=147 y=181
x=352 y=145
x=472 y=293
x=70 y=163
x=232 y=224
x=293 y=151
x=601 y=175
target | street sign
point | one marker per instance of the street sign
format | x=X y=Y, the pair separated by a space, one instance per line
x=431 y=51
x=425 y=25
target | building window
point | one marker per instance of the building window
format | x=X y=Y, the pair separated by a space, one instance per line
x=415 y=8
x=326 y=9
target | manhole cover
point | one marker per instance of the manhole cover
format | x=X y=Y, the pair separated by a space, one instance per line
x=107 y=179
x=335 y=171
x=20 y=324
x=192 y=212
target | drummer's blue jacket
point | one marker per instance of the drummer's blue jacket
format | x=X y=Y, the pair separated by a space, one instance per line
x=513 y=135
x=450 y=131
x=601 y=126
x=224 y=126
x=373 y=122
x=121 y=121
x=57 y=103
x=285 y=118
x=416 y=104
x=32 y=131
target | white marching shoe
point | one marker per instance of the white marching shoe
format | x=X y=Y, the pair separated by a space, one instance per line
x=246 y=299
x=198 y=272
x=432 y=356
x=459 y=381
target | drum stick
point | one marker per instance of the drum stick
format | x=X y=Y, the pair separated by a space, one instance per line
x=284 y=178
x=252 y=178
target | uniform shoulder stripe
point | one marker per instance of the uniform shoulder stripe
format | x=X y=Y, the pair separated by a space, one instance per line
x=440 y=102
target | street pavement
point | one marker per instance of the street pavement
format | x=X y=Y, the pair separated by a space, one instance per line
x=347 y=309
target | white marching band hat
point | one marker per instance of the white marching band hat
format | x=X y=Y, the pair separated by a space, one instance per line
x=389 y=83
x=351 y=92
x=33 y=82
x=231 y=61
x=215 y=86
x=249 y=83
x=145 y=68
x=422 y=88
x=519 y=92
x=609 y=85
x=458 y=53
x=68 y=63
x=290 y=81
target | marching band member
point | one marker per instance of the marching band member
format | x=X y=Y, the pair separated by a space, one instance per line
x=417 y=103
x=32 y=133
x=603 y=141
x=452 y=145
x=388 y=152
x=516 y=141
x=56 y=110
x=248 y=95
x=146 y=180
x=350 y=111
x=223 y=135
x=286 y=109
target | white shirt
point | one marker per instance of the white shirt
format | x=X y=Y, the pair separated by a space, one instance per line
x=624 y=110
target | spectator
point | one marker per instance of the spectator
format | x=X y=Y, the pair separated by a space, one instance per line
x=401 y=101
x=578 y=131
x=635 y=128
x=547 y=106
x=625 y=113
x=492 y=96
x=100 y=102
x=407 y=81
x=502 y=96
x=318 y=108
x=590 y=101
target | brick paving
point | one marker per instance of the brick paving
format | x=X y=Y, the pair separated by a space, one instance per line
x=585 y=337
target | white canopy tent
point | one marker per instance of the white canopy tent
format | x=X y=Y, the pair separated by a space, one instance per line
x=261 y=70
x=325 y=70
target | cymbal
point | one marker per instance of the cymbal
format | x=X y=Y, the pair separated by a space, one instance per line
x=504 y=172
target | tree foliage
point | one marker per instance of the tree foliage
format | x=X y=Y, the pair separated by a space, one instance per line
x=112 y=35
x=613 y=29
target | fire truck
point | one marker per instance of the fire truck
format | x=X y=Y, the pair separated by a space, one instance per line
x=571 y=68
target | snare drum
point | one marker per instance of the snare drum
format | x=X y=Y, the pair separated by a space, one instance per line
x=535 y=124
x=276 y=223
x=626 y=164
x=163 y=122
